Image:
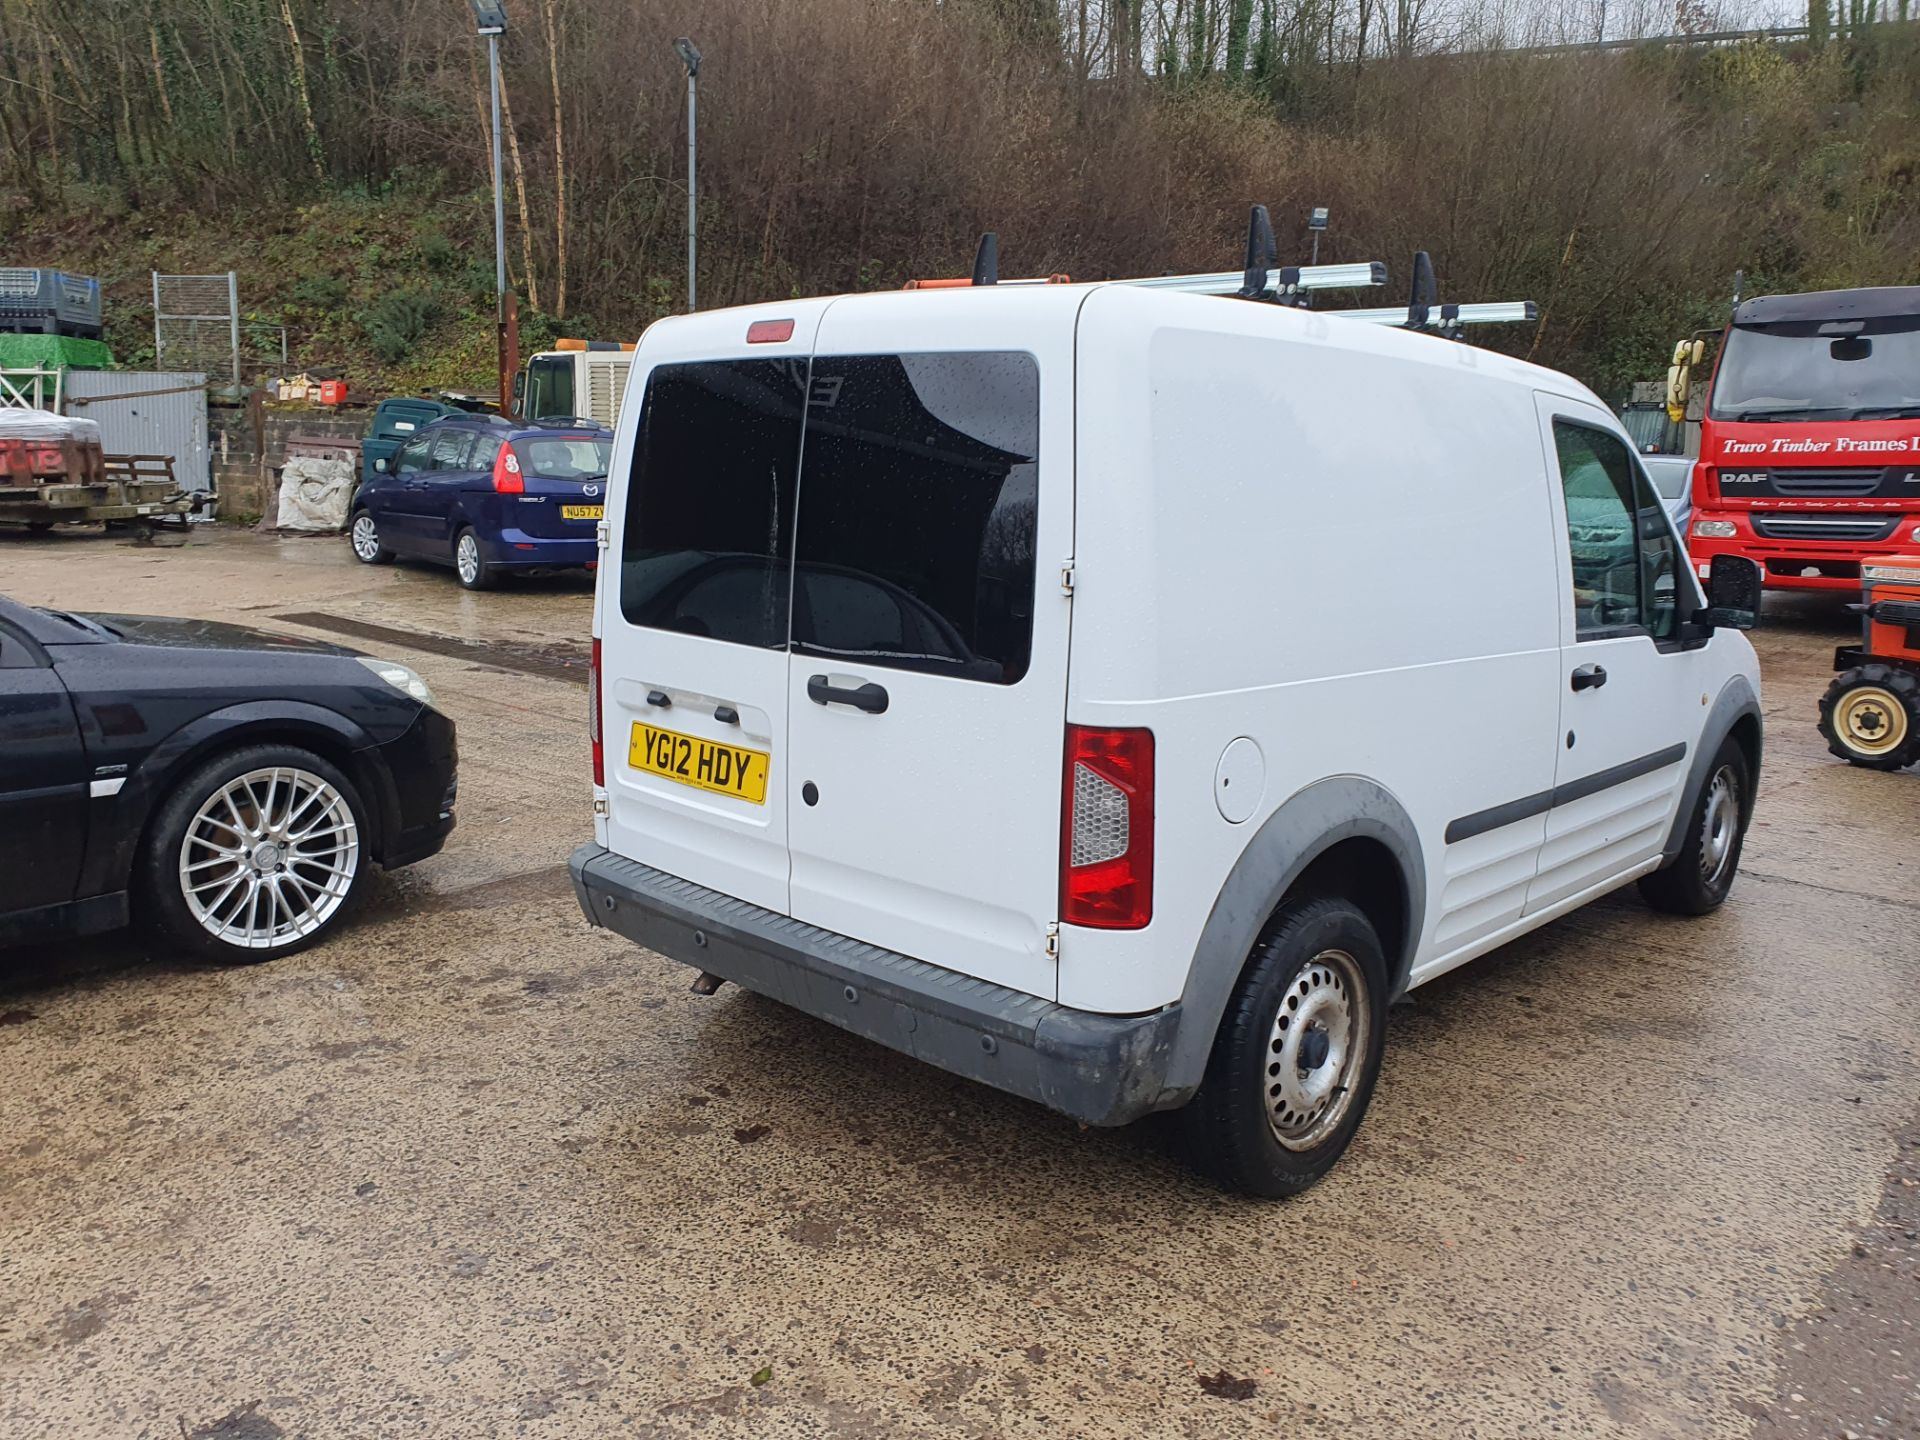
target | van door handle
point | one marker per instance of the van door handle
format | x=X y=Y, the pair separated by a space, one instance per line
x=659 y=699
x=869 y=697
x=1589 y=677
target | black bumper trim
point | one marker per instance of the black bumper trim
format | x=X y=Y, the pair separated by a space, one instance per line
x=1100 y=1069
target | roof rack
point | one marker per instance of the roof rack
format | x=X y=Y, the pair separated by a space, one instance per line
x=1263 y=279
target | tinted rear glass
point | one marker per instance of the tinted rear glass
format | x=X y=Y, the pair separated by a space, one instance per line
x=565 y=458
x=918 y=502
x=709 y=522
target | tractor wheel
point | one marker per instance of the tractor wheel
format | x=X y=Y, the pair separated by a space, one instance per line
x=1871 y=717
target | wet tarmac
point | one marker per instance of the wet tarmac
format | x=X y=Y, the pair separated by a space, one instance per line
x=473 y=1168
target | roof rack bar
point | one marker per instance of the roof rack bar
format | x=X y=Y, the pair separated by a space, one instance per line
x=1359 y=276
x=1441 y=317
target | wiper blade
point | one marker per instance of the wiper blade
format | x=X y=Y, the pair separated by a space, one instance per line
x=1802 y=413
x=1887 y=412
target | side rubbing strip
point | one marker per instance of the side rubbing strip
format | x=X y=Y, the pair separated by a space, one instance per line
x=1481 y=821
x=1511 y=813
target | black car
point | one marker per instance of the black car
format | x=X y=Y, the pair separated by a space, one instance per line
x=227 y=787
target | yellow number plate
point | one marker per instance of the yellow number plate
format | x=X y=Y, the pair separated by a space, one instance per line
x=704 y=764
x=580 y=512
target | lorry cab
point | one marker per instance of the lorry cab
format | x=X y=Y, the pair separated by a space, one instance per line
x=1021 y=677
x=1810 y=442
x=576 y=380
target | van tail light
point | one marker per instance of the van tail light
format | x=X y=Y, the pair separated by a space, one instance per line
x=507 y=479
x=1106 y=829
x=593 y=716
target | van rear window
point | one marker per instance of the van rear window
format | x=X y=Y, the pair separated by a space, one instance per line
x=918 y=504
x=709 y=524
x=917 y=500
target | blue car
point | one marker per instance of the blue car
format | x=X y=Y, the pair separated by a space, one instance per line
x=488 y=496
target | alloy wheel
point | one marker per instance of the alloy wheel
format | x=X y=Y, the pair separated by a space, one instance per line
x=269 y=857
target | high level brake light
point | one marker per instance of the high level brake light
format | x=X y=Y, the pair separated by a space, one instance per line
x=1106 y=829
x=593 y=716
x=507 y=479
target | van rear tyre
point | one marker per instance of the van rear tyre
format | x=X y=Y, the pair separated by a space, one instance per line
x=1298 y=1052
x=1871 y=717
x=1698 y=879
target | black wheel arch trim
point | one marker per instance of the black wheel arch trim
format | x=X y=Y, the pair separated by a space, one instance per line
x=116 y=834
x=1735 y=703
x=1305 y=827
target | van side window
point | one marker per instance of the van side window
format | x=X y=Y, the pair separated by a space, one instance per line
x=1616 y=582
x=1662 y=587
x=918 y=505
x=709 y=522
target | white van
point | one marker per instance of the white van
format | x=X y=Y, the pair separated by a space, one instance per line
x=1122 y=697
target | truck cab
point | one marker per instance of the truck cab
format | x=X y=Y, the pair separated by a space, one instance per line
x=583 y=379
x=1810 y=443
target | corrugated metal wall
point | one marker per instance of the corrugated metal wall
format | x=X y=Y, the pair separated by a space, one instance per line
x=147 y=412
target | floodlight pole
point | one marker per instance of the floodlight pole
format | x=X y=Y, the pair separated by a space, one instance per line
x=689 y=55
x=499 y=196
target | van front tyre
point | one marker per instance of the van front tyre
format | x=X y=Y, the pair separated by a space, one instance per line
x=1298 y=1051
x=1697 y=880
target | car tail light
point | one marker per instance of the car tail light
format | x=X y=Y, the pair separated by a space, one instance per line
x=593 y=716
x=1106 y=829
x=764 y=332
x=507 y=479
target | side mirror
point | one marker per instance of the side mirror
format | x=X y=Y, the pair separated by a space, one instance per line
x=1733 y=593
x=381 y=464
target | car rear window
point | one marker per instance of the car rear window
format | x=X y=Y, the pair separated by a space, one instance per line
x=709 y=521
x=918 y=502
x=567 y=457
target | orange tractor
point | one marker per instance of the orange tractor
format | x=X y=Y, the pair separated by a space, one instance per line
x=1871 y=713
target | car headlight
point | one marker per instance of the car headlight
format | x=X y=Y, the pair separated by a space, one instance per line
x=398 y=676
x=1715 y=529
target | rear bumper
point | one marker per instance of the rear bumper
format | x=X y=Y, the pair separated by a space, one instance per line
x=1100 y=1069
x=517 y=547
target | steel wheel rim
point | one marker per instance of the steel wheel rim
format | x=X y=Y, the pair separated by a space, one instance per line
x=366 y=539
x=466 y=555
x=269 y=857
x=1871 y=721
x=1318 y=1043
x=1719 y=825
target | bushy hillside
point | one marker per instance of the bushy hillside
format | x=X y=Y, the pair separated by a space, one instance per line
x=334 y=153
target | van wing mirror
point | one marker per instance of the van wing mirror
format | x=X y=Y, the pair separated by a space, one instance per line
x=1733 y=593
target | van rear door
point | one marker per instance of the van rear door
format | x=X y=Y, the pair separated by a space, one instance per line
x=693 y=625
x=927 y=684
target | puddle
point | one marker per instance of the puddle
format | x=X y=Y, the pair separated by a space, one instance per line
x=548 y=662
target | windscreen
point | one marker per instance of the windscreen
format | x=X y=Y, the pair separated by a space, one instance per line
x=1820 y=370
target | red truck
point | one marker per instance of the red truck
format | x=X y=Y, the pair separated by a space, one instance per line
x=1810 y=442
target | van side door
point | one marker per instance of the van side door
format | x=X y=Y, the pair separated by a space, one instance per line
x=927 y=690
x=1628 y=670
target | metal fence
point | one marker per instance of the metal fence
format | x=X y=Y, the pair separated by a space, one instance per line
x=196 y=323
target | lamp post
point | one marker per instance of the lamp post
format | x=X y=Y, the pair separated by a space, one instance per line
x=490 y=21
x=1317 y=226
x=689 y=55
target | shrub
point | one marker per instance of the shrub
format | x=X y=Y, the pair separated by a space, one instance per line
x=398 y=320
